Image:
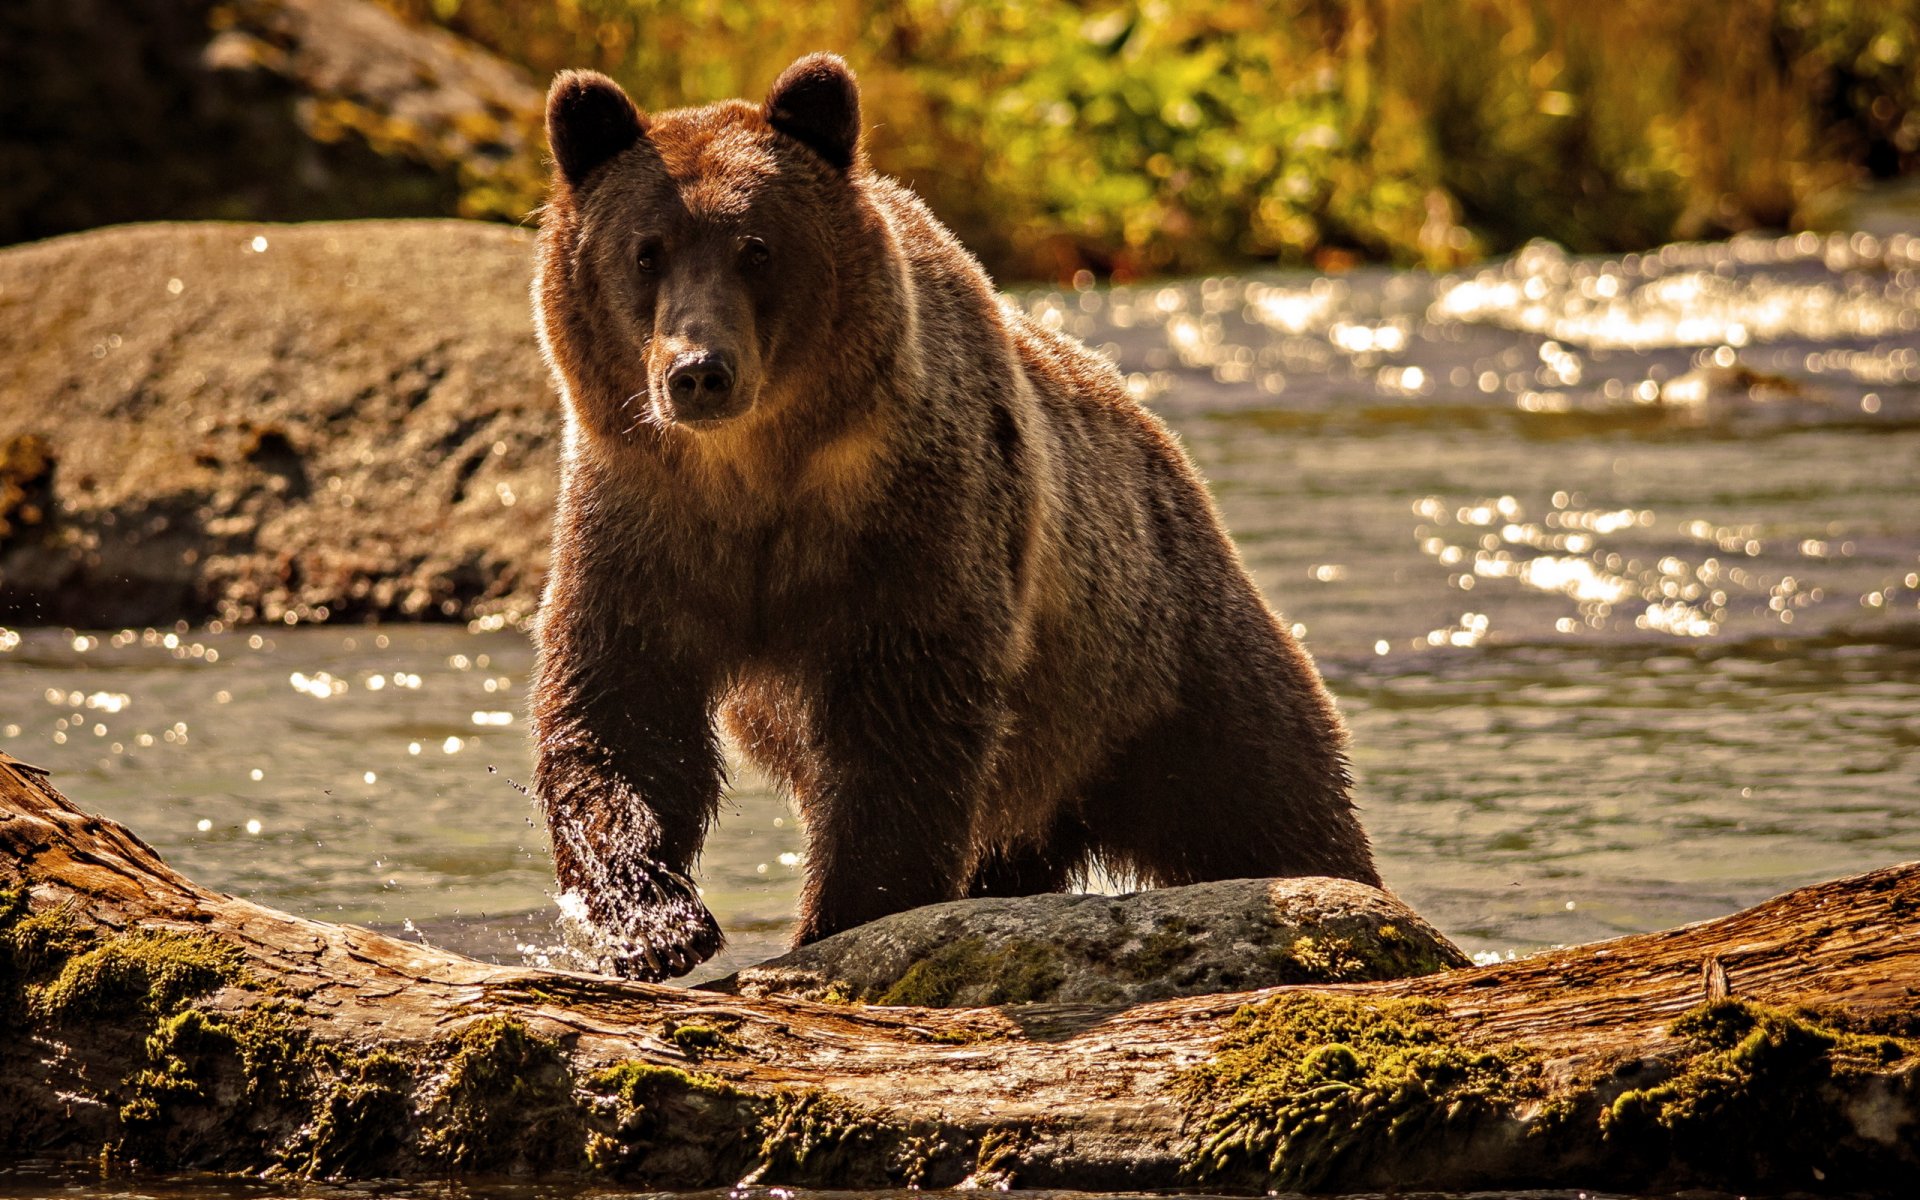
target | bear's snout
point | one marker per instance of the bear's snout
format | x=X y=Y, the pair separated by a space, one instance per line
x=700 y=385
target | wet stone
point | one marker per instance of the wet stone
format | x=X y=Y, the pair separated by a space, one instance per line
x=1235 y=935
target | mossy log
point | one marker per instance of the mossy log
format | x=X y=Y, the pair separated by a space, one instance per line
x=153 y=1023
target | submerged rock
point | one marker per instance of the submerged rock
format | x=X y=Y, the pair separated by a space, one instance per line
x=272 y=422
x=1229 y=936
x=1737 y=392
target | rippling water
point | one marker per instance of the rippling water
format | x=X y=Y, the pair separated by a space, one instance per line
x=1614 y=565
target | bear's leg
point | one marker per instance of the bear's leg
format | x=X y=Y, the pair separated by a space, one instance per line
x=901 y=735
x=1245 y=779
x=628 y=772
x=1033 y=870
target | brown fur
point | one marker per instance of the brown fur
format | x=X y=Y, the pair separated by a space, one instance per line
x=934 y=569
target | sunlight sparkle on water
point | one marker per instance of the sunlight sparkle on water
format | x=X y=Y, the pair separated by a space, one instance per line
x=1291 y=310
x=1368 y=339
x=1688 y=297
x=1676 y=595
x=319 y=685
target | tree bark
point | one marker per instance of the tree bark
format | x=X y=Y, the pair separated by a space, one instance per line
x=152 y=1021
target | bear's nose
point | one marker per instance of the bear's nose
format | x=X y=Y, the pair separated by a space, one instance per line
x=700 y=380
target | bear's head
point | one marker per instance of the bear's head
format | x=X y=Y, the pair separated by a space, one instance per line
x=692 y=261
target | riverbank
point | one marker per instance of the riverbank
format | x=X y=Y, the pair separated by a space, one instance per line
x=272 y=423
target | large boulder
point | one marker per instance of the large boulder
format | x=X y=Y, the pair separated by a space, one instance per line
x=1230 y=936
x=259 y=422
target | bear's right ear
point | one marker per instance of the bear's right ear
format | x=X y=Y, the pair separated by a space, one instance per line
x=589 y=120
x=817 y=102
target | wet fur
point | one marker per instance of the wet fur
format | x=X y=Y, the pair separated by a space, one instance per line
x=942 y=578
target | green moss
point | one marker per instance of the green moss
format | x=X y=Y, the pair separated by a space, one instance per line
x=506 y=1099
x=360 y=1116
x=179 y=1051
x=155 y=1091
x=815 y=1138
x=42 y=939
x=213 y=1081
x=1159 y=953
x=1322 y=959
x=965 y=1035
x=151 y=971
x=970 y=970
x=1754 y=1101
x=351 y=1109
x=1303 y=1085
x=209 y=1086
x=33 y=946
x=1425 y=960
x=996 y=1162
x=680 y=1129
x=670 y=1127
x=633 y=1082
x=698 y=1041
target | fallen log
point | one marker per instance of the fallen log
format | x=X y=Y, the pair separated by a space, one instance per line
x=152 y=1022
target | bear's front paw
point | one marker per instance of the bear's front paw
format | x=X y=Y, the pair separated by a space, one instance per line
x=651 y=926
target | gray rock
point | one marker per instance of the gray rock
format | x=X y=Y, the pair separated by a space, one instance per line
x=1231 y=936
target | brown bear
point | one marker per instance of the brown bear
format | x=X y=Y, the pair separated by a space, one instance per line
x=930 y=564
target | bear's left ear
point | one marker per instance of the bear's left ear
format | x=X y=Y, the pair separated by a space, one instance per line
x=589 y=120
x=816 y=101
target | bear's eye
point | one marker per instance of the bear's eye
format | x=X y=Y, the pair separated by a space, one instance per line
x=647 y=258
x=754 y=253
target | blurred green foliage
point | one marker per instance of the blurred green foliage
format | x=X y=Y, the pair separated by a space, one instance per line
x=1135 y=139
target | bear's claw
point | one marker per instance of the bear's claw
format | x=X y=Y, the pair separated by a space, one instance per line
x=652 y=924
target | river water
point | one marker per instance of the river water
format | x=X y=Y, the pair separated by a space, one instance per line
x=1614 y=565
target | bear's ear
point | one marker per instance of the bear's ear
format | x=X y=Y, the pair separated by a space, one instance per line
x=589 y=120
x=816 y=101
